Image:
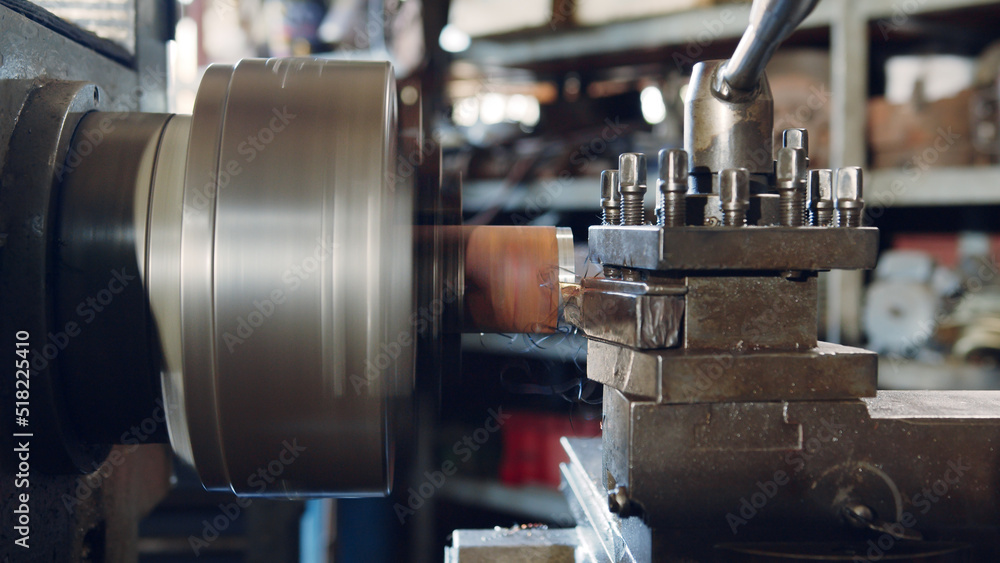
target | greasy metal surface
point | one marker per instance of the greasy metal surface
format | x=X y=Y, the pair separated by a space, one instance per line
x=661 y=286
x=645 y=315
x=734 y=248
x=827 y=372
x=639 y=321
x=699 y=466
x=720 y=134
x=748 y=313
x=934 y=404
x=764 y=210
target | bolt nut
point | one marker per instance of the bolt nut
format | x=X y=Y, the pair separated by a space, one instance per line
x=673 y=170
x=849 y=188
x=632 y=172
x=610 y=195
x=791 y=167
x=795 y=139
x=734 y=189
x=821 y=188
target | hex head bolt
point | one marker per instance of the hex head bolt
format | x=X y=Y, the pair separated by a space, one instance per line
x=791 y=177
x=611 y=199
x=734 y=196
x=850 y=206
x=671 y=209
x=632 y=185
x=821 y=197
x=796 y=139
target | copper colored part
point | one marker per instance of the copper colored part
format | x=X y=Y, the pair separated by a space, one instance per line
x=511 y=279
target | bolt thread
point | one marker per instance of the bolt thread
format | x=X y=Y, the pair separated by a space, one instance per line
x=823 y=218
x=734 y=218
x=793 y=207
x=674 y=210
x=632 y=211
x=849 y=217
x=612 y=216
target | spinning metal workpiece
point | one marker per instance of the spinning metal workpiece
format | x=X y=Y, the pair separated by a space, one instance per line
x=246 y=273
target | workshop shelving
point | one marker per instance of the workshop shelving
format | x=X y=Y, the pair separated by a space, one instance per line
x=846 y=25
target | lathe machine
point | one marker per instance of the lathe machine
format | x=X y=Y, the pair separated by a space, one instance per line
x=259 y=276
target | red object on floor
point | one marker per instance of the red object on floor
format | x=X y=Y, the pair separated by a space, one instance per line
x=531 y=449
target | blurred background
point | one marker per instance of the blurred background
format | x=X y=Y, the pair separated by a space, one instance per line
x=529 y=100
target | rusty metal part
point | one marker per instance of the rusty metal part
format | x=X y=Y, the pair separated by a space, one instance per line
x=683 y=375
x=638 y=319
x=850 y=205
x=773 y=249
x=720 y=134
x=821 y=206
x=792 y=175
x=706 y=210
x=672 y=186
x=734 y=196
x=608 y=536
x=611 y=199
x=810 y=459
x=512 y=277
x=751 y=313
x=632 y=185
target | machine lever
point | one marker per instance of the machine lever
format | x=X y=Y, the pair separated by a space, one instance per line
x=771 y=21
